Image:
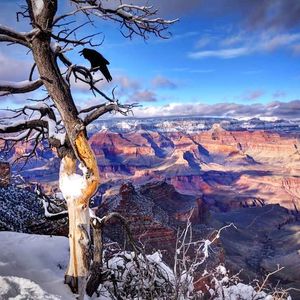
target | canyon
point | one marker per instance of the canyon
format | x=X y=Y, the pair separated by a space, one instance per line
x=158 y=178
x=225 y=168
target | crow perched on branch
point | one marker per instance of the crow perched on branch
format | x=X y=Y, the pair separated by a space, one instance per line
x=98 y=62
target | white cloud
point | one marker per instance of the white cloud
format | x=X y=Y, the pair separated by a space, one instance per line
x=278 y=109
x=274 y=42
x=262 y=43
x=203 y=41
x=142 y=96
x=231 y=40
x=163 y=82
x=222 y=53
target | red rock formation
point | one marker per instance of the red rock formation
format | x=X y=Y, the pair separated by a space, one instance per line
x=154 y=212
x=108 y=143
x=235 y=167
x=5 y=174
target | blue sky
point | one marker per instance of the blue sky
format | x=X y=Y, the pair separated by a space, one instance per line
x=224 y=58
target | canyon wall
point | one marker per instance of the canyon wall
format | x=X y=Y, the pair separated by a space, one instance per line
x=224 y=168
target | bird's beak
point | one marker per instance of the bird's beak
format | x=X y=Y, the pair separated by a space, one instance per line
x=81 y=52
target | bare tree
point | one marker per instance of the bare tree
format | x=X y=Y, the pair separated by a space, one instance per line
x=56 y=117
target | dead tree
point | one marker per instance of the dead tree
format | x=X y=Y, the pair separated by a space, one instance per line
x=56 y=117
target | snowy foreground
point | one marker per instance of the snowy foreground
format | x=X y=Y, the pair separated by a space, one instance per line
x=32 y=267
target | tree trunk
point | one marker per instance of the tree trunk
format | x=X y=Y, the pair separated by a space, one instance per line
x=96 y=272
x=79 y=240
x=74 y=188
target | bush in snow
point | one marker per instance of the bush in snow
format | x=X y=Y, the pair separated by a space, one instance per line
x=131 y=276
x=135 y=275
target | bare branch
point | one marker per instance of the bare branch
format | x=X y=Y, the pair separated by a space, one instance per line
x=99 y=110
x=31 y=71
x=133 y=19
x=11 y=40
x=36 y=138
x=76 y=42
x=22 y=125
x=9 y=35
x=7 y=87
x=50 y=211
x=88 y=77
x=44 y=126
x=72 y=13
x=268 y=276
x=24 y=13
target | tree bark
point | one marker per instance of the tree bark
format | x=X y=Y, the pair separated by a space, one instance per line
x=96 y=272
x=78 y=267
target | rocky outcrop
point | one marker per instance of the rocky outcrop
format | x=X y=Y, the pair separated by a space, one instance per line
x=227 y=168
x=234 y=167
x=5 y=174
x=264 y=237
x=154 y=211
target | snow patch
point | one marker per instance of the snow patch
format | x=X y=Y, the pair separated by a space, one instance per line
x=243 y=292
x=124 y=125
x=221 y=270
x=38 y=6
x=72 y=185
x=55 y=47
x=12 y=287
x=32 y=267
x=34 y=264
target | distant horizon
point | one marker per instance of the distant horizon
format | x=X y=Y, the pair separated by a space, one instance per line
x=193 y=117
x=239 y=118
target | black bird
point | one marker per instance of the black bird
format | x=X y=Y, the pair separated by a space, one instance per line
x=98 y=62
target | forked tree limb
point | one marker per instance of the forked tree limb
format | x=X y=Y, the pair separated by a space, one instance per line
x=9 y=35
x=135 y=19
x=105 y=108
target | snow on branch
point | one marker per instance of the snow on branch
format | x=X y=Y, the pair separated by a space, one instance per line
x=22 y=125
x=58 y=134
x=37 y=7
x=31 y=124
x=8 y=87
x=48 y=204
x=24 y=121
x=31 y=131
x=98 y=110
x=9 y=35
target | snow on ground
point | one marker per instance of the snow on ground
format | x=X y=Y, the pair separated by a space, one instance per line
x=12 y=287
x=33 y=266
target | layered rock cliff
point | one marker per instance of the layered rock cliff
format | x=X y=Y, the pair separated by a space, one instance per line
x=228 y=168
